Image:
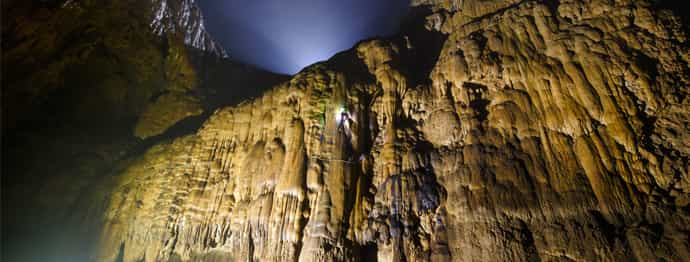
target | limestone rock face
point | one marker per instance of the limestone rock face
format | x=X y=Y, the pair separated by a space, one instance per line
x=532 y=130
x=165 y=112
x=184 y=17
x=86 y=85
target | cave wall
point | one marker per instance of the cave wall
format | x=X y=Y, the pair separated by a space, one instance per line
x=493 y=130
x=540 y=130
x=86 y=84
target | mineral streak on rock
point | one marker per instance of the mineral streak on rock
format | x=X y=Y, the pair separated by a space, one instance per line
x=488 y=130
x=545 y=130
x=86 y=85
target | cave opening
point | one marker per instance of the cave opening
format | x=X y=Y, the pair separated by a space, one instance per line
x=284 y=37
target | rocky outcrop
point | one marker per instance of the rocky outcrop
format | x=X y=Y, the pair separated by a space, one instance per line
x=85 y=85
x=121 y=54
x=185 y=17
x=532 y=130
x=493 y=130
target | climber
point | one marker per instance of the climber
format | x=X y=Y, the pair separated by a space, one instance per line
x=344 y=118
x=341 y=116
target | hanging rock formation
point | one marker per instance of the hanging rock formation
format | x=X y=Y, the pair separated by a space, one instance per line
x=500 y=130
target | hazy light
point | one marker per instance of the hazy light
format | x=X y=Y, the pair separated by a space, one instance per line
x=285 y=36
x=339 y=114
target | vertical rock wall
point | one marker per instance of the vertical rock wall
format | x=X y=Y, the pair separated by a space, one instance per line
x=540 y=130
x=85 y=85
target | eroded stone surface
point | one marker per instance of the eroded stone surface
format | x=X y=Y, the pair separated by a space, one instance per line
x=545 y=131
x=79 y=80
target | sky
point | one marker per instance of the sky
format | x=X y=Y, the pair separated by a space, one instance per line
x=284 y=36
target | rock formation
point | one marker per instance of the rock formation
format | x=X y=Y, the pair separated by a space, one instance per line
x=487 y=130
x=184 y=16
x=86 y=84
x=501 y=130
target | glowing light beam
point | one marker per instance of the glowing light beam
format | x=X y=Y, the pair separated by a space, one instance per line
x=285 y=36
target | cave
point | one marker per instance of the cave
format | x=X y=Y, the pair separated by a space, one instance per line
x=391 y=130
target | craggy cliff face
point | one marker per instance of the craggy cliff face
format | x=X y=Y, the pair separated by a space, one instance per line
x=487 y=131
x=85 y=86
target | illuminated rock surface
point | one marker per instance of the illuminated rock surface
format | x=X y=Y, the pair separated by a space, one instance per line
x=492 y=130
x=85 y=85
x=543 y=131
x=184 y=17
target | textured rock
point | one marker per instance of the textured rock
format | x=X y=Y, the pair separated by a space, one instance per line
x=165 y=112
x=89 y=59
x=496 y=130
x=185 y=17
x=544 y=131
x=80 y=81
